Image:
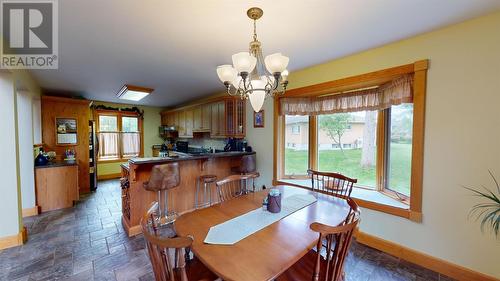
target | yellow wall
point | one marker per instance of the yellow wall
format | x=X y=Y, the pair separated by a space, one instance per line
x=152 y=121
x=462 y=136
x=13 y=81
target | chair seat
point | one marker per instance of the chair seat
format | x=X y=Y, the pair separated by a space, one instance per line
x=304 y=268
x=197 y=271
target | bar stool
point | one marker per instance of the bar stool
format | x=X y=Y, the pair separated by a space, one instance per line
x=207 y=181
x=247 y=167
x=163 y=178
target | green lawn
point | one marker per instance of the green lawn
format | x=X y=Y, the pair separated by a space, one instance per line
x=348 y=164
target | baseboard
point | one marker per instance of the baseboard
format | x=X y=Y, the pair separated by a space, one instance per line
x=109 y=176
x=28 y=212
x=444 y=267
x=11 y=241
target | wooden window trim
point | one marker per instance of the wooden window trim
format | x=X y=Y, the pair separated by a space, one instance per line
x=119 y=114
x=419 y=70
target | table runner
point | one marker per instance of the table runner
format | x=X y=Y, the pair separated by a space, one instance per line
x=236 y=229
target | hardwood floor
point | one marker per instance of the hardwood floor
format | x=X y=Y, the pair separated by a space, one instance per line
x=87 y=242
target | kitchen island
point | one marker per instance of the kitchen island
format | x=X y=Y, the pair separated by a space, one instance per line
x=136 y=200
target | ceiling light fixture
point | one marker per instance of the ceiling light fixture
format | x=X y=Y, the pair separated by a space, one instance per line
x=133 y=93
x=253 y=77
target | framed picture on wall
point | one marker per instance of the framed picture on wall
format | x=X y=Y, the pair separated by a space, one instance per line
x=66 y=131
x=258 y=119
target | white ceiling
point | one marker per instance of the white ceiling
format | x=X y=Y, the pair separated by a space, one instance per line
x=175 y=46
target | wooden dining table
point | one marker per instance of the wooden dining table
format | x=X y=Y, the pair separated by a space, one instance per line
x=268 y=252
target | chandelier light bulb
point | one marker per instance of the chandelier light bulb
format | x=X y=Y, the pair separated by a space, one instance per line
x=276 y=63
x=226 y=73
x=258 y=95
x=284 y=75
x=244 y=62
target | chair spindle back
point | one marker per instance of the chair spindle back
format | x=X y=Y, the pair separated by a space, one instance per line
x=167 y=255
x=332 y=183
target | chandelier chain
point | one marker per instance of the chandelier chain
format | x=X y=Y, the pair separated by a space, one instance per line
x=254 y=30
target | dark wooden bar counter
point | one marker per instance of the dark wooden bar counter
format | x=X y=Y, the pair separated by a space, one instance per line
x=136 y=200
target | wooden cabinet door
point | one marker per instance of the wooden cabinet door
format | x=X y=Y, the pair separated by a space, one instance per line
x=164 y=118
x=171 y=119
x=206 y=117
x=197 y=125
x=182 y=123
x=189 y=122
x=230 y=118
x=240 y=111
x=214 y=110
x=175 y=117
x=222 y=118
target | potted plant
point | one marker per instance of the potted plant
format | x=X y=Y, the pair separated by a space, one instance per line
x=487 y=211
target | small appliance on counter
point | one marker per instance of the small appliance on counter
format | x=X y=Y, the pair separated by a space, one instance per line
x=236 y=145
x=182 y=146
x=168 y=132
x=41 y=159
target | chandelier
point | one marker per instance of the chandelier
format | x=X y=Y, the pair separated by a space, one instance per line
x=252 y=76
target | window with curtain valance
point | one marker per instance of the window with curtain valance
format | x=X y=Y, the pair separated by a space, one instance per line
x=395 y=92
x=119 y=134
x=368 y=127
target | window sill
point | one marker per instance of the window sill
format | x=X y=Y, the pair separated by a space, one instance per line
x=370 y=199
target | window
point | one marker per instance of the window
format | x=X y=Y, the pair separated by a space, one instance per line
x=342 y=131
x=119 y=136
x=297 y=154
x=400 y=137
x=369 y=127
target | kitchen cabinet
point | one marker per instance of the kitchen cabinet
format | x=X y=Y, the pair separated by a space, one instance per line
x=206 y=117
x=218 y=119
x=189 y=115
x=197 y=118
x=56 y=186
x=240 y=120
x=222 y=117
x=181 y=127
x=164 y=119
x=202 y=118
x=235 y=118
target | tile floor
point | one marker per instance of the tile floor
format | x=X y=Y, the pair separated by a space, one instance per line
x=87 y=242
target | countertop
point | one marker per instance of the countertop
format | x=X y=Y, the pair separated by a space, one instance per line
x=54 y=164
x=185 y=157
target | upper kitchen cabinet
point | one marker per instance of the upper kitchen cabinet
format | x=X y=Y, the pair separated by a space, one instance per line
x=235 y=118
x=218 y=119
x=181 y=125
x=202 y=118
x=222 y=117
x=206 y=117
x=189 y=122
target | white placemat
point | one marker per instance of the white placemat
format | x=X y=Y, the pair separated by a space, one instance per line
x=236 y=229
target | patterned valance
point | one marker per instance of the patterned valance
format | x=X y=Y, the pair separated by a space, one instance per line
x=397 y=91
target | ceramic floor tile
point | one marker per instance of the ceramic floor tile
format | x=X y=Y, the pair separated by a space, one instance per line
x=87 y=242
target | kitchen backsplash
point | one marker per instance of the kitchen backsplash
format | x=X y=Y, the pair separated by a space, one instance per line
x=207 y=143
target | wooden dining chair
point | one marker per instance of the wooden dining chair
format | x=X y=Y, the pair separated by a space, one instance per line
x=168 y=255
x=331 y=267
x=331 y=183
x=231 y=186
